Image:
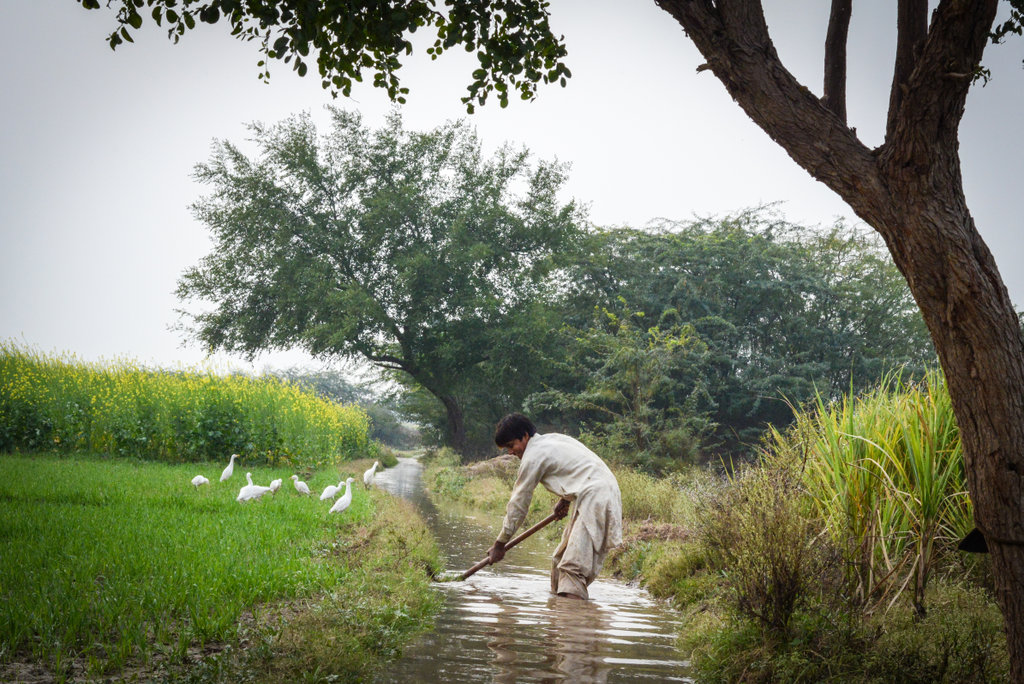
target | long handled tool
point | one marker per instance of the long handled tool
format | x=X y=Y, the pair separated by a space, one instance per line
x=512 y=542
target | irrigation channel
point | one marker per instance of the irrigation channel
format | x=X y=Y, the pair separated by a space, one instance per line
x=504 y=625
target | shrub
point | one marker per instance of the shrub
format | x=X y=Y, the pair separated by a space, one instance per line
x=760 y=534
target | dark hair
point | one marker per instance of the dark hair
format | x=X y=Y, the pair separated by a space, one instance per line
x=512 y=427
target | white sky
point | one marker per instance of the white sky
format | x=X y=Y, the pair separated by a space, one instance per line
x=98 y=146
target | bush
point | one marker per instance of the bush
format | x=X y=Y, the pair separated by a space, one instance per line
x=759 y=533
x=960 y=640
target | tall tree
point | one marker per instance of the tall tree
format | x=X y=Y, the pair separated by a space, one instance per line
x=409 y=250
x=909 y=189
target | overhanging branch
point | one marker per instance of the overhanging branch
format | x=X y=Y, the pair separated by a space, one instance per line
x=931 y=102
x=732 y=37
x=835 y=58
x=911 y=31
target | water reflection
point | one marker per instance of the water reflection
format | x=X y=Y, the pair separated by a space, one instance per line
x=504 y=625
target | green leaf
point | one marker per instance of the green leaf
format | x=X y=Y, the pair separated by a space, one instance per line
x=209 y=14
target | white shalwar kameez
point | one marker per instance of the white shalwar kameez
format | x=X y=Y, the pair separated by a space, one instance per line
x=570 y=471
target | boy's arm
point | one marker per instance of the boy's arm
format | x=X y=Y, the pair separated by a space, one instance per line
x=522 y=495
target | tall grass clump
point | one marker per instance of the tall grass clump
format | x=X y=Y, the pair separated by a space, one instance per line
x=655 y=499
x=817 y=563
x=885 y=472
x=62 y=404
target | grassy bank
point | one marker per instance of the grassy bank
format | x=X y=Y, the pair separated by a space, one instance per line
x=833 y=559
x=58 y=403
x=114 y=566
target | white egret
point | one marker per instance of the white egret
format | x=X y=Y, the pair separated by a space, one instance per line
x=251 y=491
x=331 y=491
x=346 y=498
x=368 y=475
x=300 y=486
x=199 y=480
x=229 y=469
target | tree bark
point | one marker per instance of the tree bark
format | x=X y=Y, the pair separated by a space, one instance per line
x=456 y=423
x=910 y=191
x=835 y=57
x=912 y=29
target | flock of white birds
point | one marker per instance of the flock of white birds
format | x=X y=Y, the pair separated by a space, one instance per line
x=252 y=492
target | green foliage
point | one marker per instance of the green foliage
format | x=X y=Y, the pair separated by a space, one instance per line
x=383 y=453
x=760 y=534
x=362 y=623
x=780 y=313
x=448 y=481
x=447 y=478
x=515 y=46
x=122 y=409
x=109 y=563
x=409 y=250
x=817 y=564
x=962 y=642
x=643 y=401
x=678 y=571
x=658 y=499
x=1014 y=23
x=886 y=473
x=481 y=486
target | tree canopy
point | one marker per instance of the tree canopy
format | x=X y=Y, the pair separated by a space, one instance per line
x=722 y=324
x=514 y=44
x=413 y=251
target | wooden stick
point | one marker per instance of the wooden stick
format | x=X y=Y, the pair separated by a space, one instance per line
x=487 y=561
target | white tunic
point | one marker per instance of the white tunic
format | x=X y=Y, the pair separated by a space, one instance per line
x=568 y=469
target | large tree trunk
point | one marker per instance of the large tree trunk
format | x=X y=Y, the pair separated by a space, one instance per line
x=976 y=333
x=910 y=191
x=456 y=423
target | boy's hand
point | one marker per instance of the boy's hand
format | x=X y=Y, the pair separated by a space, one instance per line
x=561 y=508
x=496 y=552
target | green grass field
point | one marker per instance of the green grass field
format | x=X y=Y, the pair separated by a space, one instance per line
x=106 y=563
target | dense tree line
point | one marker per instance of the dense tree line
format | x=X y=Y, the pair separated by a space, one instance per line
x=683 y=341
x=725 y=324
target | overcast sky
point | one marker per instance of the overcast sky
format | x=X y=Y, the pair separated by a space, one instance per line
x=98 y=148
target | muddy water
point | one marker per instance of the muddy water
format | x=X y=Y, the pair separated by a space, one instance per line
x=504 y=625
